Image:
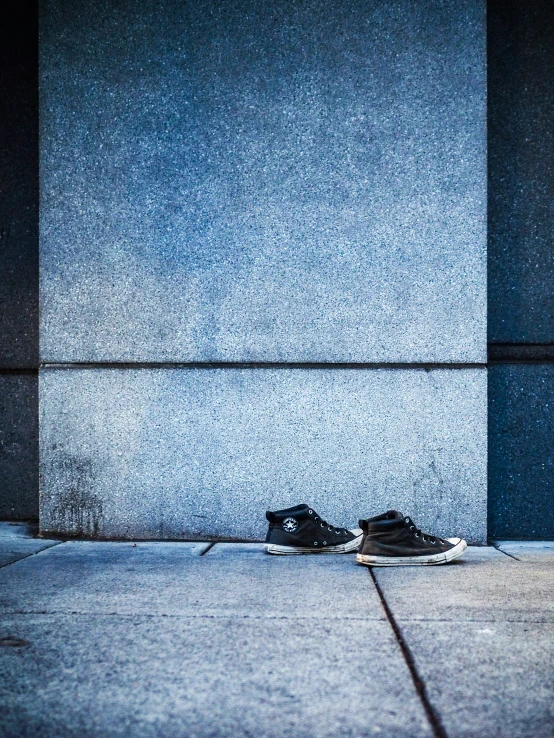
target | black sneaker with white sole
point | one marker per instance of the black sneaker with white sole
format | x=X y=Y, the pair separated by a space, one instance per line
x=300 y=530
x=392 y=539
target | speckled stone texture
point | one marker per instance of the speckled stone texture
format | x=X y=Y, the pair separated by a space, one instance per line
x=521 y=166
x=521 y=450
x=488 y=620
x=263 y=181
x=158 y=641
x=19 y=269
x=196 y=453
x=521 y=266
x=19 y=445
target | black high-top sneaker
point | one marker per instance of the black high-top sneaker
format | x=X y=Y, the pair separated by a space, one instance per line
x=391 y=539
x=300 y=530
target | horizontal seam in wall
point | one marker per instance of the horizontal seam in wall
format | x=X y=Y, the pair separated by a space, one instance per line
x=536 y=362
x=428 y=366
x=18 y=369
x=520 y=353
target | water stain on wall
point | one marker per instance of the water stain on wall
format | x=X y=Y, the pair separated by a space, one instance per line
x=74 y=509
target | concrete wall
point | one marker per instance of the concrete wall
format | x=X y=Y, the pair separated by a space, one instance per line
x=250 y=182
x=19 y=275
x=521 y=268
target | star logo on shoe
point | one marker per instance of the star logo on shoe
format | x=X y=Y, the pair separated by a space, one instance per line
x=290 y=525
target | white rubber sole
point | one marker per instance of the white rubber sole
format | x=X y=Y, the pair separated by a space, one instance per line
x=440 y=558
x=343 y=548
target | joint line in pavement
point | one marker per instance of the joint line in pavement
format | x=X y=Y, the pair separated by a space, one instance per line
x=515 y=558
x=208 y=548
x=27 y=556
x=419 y=684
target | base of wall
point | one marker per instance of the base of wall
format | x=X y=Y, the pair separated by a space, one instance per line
x=203 y=453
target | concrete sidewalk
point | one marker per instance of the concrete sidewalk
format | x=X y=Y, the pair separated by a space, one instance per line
x=193 y=640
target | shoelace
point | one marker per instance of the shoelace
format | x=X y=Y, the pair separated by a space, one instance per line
x=325 y=524
x=419 y=534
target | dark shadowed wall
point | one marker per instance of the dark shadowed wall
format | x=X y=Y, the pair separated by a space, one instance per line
x=521 y=268
x=19 y=262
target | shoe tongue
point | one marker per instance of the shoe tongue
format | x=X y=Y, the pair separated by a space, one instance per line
x=394 y=515
x=298 y=511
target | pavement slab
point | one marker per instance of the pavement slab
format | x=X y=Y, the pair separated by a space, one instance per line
x=106 y=577
x=17 y=542
x=168 y=639
x=174 y=579
x=16 y=529
x=173 y=638
x=529 y=552
x=487 y=680
x=480 y=632
x=13 y=550
x=135 y=676
x=483 y=585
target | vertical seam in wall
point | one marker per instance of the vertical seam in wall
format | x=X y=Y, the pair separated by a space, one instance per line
x=419 y=684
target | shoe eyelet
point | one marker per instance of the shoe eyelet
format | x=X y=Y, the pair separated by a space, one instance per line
x=310 y=512
x=324 y=543
x=321 y=524
x=315 y=543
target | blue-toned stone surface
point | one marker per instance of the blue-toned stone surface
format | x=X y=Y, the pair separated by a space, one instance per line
x=521 y=451
x=263 y=181
x=19 y=445
x=521 y=171
x=19 y=267
x=195 y=453
x=19 y=185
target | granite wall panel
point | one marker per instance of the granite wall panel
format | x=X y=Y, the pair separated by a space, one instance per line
x=521 y=451
x=196 y=453
x=260 y=181
x=521 y=171
x=521 y=266
x=19 y=463
x=263 y=181
x=19 y=268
